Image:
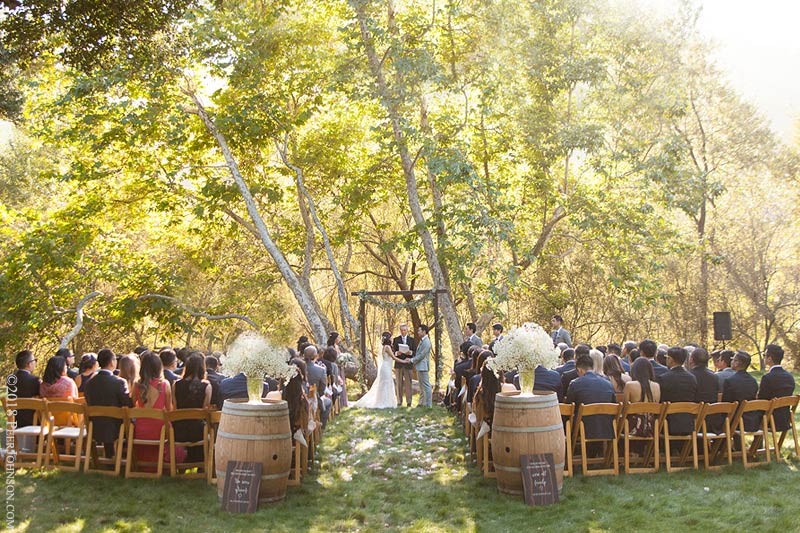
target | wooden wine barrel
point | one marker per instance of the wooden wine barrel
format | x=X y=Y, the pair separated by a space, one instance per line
x=525 y=425
x=259 y=433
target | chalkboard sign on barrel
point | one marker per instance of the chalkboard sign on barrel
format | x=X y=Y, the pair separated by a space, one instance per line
x=539 y=479
x=242 y=483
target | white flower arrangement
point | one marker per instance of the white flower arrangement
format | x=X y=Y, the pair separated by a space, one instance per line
x=346 y=358
x=524 y=348
x=256 y=357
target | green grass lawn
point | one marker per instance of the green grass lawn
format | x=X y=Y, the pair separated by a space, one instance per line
x=404 y=470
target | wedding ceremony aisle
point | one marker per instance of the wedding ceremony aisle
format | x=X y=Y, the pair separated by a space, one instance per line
x=405 y=470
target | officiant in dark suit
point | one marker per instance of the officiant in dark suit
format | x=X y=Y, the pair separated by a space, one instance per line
x=402 y=371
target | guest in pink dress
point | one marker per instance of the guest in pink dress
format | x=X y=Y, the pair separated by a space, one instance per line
x=56 y=386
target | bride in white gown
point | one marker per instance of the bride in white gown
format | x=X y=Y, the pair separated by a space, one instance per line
x=382 y=395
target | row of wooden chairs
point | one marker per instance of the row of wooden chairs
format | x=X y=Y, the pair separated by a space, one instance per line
x=726 y=444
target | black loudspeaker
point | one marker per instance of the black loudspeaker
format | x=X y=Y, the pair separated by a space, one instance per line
x=722 y=326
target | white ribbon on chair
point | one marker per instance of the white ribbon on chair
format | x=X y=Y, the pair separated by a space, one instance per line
x=463 y=391
x=473 y=419
x=485 y=428
x=300 y=438
x=312 y=425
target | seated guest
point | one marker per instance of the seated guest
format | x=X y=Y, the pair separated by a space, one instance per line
x=128 y=366
x=69 y=357
x=86 y=370
x=722 y=364
x=642 y=388
x=295 y=396
x=569 y=375
x=214 y=377
x=615 y=349
x=707 y=383
x=192 y=391
x=589 y=388
x=462 y=365
x=169 y=361
x=627 y=348
x=776 y=383
x=634 y=355
x=475 y=380
x=678 y=385
x=483 y=402
x=55 y=383
x=568 y=357
x=597 y=358
x=742 y=386
x=329 y=357
x=107 y=390
x=233 y=388
x=648 y=349
x=316 y=376
x=27 y=385
x=612 y=368
x=183 y=354
x=545 y=380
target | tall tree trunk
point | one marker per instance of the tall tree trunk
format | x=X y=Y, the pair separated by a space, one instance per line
x=304 y=298
x=389 y=103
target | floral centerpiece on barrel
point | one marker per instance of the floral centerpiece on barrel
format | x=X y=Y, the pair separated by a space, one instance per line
x=524 y=348
x=255 y=357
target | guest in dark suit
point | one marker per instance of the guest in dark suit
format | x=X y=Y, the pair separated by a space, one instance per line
x=402 y=371
x=568 y=357
x=316 y=376
x=678 y=385
x=569 y=375
x=214 y=377
x=545 y=380
x=170 y=361
x=776 y=383
x=627 y=348
x=722 y=363
x=649 y=349
x=742 y=386
x=69 y=357
x=615 y=349
x=27 y=385
x=470 y=336
x=707 y=382
x=106 y=389
x=233 y=388
x=590 y=388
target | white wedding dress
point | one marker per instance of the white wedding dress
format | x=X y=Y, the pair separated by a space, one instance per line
x=381 y=395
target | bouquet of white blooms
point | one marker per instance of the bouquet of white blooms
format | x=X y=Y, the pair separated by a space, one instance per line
x=346 y=358
x=255 y=357
x=524 y=348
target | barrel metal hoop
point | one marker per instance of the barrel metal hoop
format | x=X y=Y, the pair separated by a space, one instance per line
x=551 y=402
x=257 y=414
x=518 y=469
x=540 y=429
x=236 y=436
x=221 y=474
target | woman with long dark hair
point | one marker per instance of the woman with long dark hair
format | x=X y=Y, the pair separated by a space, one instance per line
x=642 y=388
x=55 y=383
x=612 y=368
x=192 y=391
x=382 y=395
x=87 y=368
x=483 y=403
x=128 y=366
x=295 y=395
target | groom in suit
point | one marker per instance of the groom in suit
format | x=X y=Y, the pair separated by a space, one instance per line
x=420 y=362
x=402 y=371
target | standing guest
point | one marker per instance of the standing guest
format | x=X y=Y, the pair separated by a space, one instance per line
x=642 y=388
x=559 y=333
x=192 y=391
x=497 y=331
x=648 y=350
x=776 y=383
x=55 y=383
x=402 y=368
x=107 y=390
x=302 y=342
x=707 y=383
x=545 y=380
x=316 y=376
x=589 y=388
x=169 y=362
x=568 y=357
x=214 y=377
x=333 y=341
x=613 y=370
x=722 y=364
x=27 y=385
x=469 y=335
x=86 y=371
x=128 y=367
x=678 y=385
x=151 y=391
x=742 y=386
x=69 y=357
x=570 y=375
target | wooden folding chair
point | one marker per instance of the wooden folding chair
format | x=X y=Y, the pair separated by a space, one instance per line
x=93 y=461
x=712 y=442
x=760 y=436
x=214 y=416
x=135 y=416
x=567 y=411
x=689 y=441
x=71 y=434
x=786 y=402
x=610 y=459
x=180 y=415
x=651 y=448
x=38 y=431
